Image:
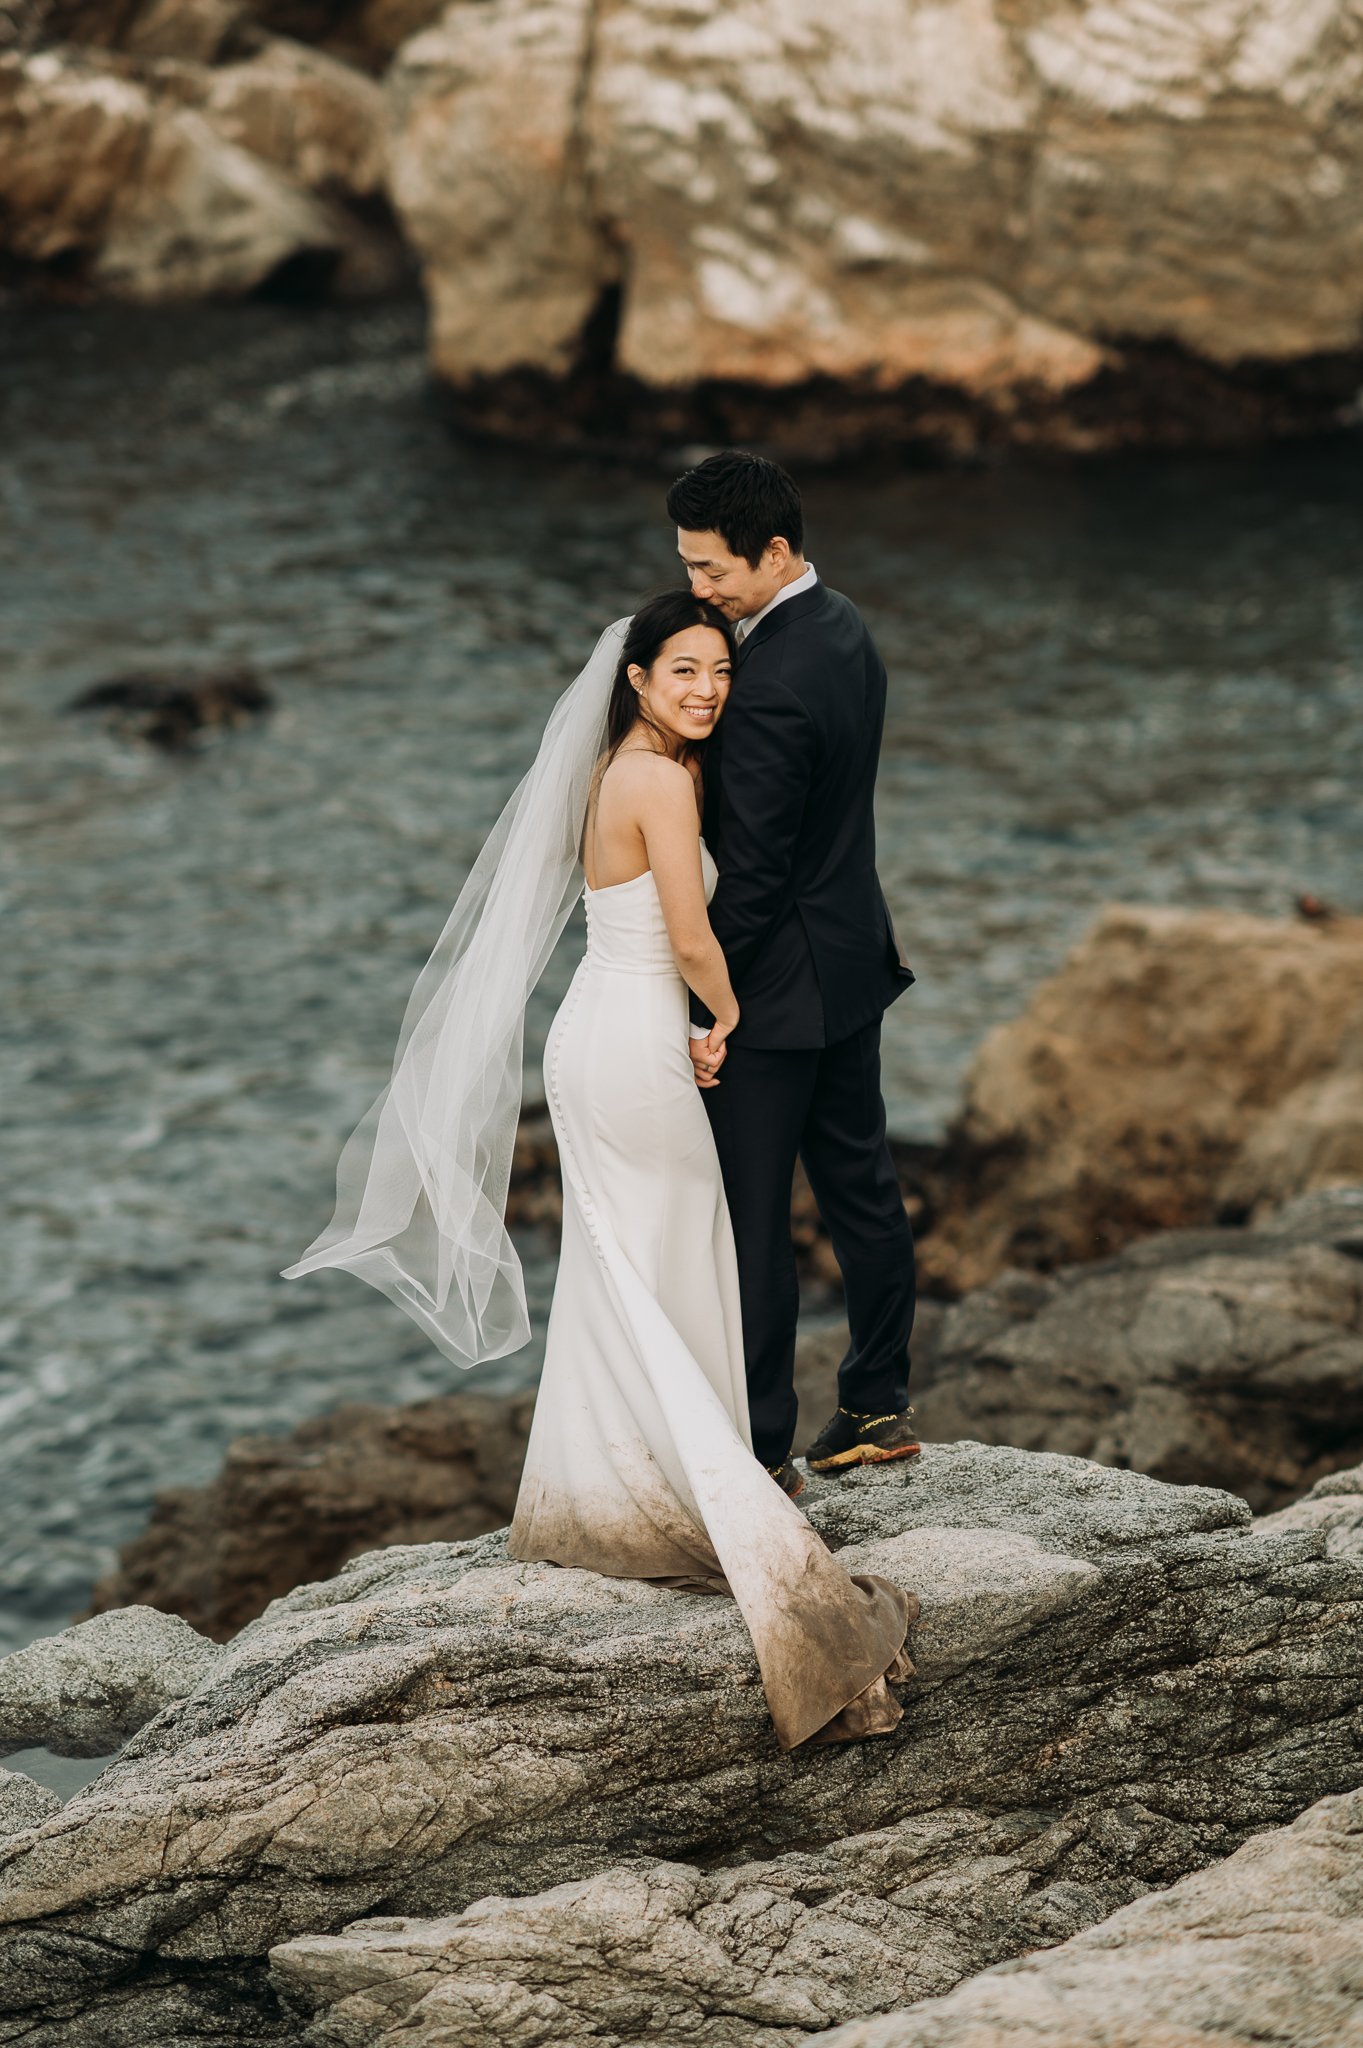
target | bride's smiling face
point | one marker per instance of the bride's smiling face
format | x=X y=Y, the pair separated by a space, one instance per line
x=685 y=689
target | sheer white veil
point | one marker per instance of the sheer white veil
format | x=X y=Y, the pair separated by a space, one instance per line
x=421 y=1184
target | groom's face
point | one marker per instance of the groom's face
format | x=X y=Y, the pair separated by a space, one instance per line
x=728 y=581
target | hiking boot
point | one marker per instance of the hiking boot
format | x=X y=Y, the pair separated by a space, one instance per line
x=850 y=1439
x=787 y=1476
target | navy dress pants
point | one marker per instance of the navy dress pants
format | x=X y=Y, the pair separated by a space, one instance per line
x=823 y=1106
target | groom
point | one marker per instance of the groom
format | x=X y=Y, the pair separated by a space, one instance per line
x=789 y=781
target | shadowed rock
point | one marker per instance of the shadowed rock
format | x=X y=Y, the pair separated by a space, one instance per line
x=438 y=1725
x=174 y=714
x=1219 y=1357
x=1265 y=1948
x=291 y=1508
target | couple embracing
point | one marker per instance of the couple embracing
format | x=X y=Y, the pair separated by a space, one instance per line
x=707 y=782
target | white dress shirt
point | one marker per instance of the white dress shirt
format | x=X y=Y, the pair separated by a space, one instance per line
x=805 y=582
x=741 y=632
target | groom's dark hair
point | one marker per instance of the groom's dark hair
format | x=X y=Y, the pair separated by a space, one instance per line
x=745 y=499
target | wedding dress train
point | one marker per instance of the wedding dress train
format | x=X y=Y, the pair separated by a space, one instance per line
x=640 y=1460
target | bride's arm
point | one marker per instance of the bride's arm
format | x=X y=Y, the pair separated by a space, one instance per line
x=668 y=820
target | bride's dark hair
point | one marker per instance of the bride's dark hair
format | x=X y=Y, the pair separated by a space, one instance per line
x=652 y=626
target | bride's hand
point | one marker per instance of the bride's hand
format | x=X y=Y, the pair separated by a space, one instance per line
x=709 y=1054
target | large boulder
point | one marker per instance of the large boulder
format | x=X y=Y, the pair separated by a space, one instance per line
x=105 y=183
x=1264 y=1948
x=439 y=1724
x=1226 y=1357
x=85 y=1691
x=918 y=216
x=1150 y=1084
x=157 y=177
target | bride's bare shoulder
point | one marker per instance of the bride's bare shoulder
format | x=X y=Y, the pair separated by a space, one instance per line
x=634 y=768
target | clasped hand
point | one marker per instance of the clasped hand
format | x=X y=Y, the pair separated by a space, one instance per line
x=709 y=1054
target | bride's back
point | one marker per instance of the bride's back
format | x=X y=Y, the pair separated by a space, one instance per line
x=613 y=845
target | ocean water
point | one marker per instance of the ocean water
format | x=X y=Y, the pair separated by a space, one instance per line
x=1133 y=679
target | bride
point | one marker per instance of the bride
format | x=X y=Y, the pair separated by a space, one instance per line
x=640 y=1459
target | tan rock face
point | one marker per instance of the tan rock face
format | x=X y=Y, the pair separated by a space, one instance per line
x=491 y=174
x=319 y=120
x=1174 y=1065
x=148 y=198
x=160 y=178
x=997 y=199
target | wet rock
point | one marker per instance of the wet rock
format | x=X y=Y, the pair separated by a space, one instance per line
x=173 y=715
x=1164 y=1063
x=923 y=221
x=438 y=1725
x=23 y=1804
x=1263 y=1948
x=197 y=31
x=84 y=1692
x=1229 y=1357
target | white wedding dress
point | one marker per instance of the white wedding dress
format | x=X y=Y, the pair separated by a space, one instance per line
x=640 y=1460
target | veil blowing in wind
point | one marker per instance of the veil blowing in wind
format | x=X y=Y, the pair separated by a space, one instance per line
x=421 y=1184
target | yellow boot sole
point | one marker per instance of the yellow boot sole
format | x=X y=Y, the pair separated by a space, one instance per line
x=863 y=1454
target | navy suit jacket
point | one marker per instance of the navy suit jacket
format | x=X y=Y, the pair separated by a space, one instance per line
x=789 y=781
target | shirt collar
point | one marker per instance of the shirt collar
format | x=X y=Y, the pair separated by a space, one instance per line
x=801 y=583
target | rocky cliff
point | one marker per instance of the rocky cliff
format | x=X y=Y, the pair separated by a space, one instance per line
x=1119 y=1683
x=952 y=222
x=956 y=220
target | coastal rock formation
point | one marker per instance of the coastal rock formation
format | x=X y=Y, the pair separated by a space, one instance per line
x=157 y=176
x=793 y=1943
x=902 y=218
x=438 y=1725
x=1150 y=1085
x=1264 y=1948
x=84 y=1692
x=1223 y=1357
